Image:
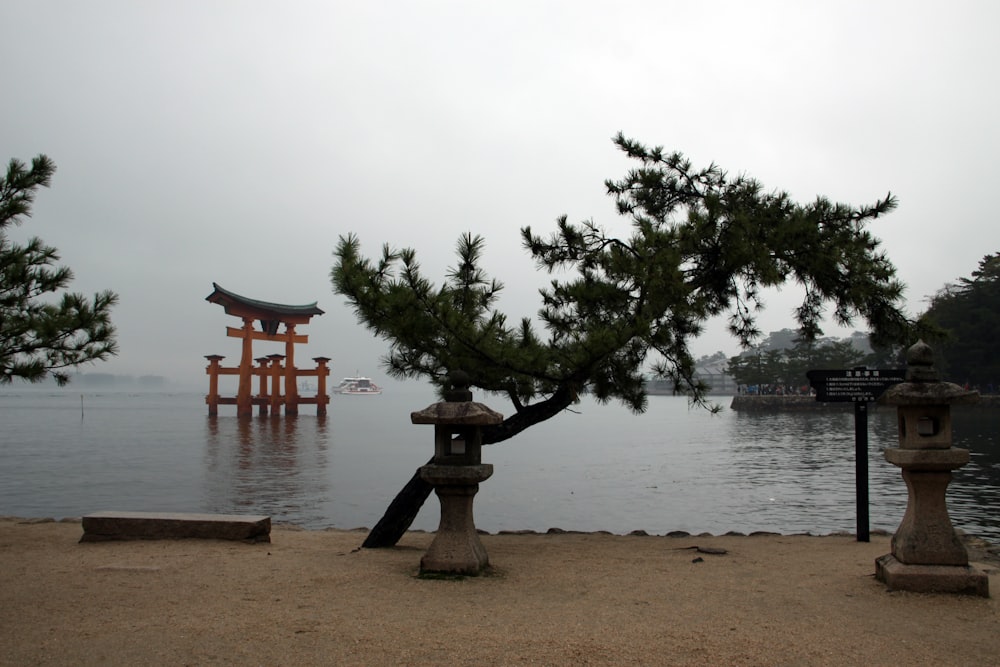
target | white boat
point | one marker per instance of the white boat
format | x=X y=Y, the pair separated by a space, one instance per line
x=357 y=386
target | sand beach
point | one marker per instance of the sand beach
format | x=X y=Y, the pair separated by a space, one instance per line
x=314 y=597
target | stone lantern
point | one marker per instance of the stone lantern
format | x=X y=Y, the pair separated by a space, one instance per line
x=455 y=473
x=927 y=555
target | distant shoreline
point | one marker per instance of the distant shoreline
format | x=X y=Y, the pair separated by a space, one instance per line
x=982 y=548
x=769 y=403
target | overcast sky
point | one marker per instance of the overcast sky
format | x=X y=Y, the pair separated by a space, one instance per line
x=235 y=141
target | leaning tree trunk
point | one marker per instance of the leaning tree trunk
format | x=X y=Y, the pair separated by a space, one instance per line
x=400 y=514
x=406 y=505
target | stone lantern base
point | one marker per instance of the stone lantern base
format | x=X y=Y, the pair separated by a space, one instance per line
x=962 y=579
x=456 y=548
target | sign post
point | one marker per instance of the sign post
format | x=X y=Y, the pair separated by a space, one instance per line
x=860 y=386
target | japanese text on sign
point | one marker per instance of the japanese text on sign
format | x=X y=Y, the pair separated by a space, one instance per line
x=853 y=385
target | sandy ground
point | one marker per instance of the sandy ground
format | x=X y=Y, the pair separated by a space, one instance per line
x=313 y=597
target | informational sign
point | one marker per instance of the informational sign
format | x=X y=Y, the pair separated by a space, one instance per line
x=859 y=386
x=855 y=385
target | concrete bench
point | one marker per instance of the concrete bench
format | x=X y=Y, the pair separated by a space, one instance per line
x=104 y=526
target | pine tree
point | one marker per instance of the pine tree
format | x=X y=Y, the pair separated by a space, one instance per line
x=43 y=333
x=969 y=315
x=701 y=244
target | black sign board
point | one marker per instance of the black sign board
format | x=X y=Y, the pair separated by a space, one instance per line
x=860 y=384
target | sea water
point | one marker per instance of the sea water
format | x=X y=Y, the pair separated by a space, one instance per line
x=64 y=453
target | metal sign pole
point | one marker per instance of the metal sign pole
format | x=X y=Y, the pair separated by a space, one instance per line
x=861 y=468
x=859 y=386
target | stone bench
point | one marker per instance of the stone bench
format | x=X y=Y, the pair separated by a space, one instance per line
x=104 y=526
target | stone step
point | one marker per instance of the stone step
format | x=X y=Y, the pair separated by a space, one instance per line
x=110 y=525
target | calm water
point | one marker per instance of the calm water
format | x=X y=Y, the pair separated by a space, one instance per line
x=598 y=468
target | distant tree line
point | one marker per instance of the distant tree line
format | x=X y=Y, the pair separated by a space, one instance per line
x=783 y=359
x=961 y=323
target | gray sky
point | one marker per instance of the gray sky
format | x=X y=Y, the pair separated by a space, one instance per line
x=234 y=141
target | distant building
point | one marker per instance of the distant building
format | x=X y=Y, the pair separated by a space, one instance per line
x=711 y=372
x=714 y=375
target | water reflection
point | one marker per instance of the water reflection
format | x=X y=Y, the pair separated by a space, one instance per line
x=798 y=470
x=975 y=494
x=267 y=465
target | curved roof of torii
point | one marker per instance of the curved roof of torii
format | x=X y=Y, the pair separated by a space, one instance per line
x=241 y=306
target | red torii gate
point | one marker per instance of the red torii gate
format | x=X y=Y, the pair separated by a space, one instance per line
x=270 y=316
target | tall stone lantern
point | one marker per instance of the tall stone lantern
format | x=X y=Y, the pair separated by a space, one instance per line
x=455 y=473
x=927 y=555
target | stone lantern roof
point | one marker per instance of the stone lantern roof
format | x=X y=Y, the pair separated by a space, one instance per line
x=467 y=413
x=923 y=384
x=458 y=408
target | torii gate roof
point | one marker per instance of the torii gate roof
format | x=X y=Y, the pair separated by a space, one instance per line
x=241 y=306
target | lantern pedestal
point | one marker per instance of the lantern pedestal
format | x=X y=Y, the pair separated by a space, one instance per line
x=925 y=535
x=456 y=548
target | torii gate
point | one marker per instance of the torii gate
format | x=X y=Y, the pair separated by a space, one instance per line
x=270 y=316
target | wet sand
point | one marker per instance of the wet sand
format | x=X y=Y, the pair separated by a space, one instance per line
x=314 y=597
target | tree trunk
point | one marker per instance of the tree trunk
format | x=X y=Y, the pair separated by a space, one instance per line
x=406 y=505
x=400 y=514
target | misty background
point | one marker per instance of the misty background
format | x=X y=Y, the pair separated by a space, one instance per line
x=235 y=142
